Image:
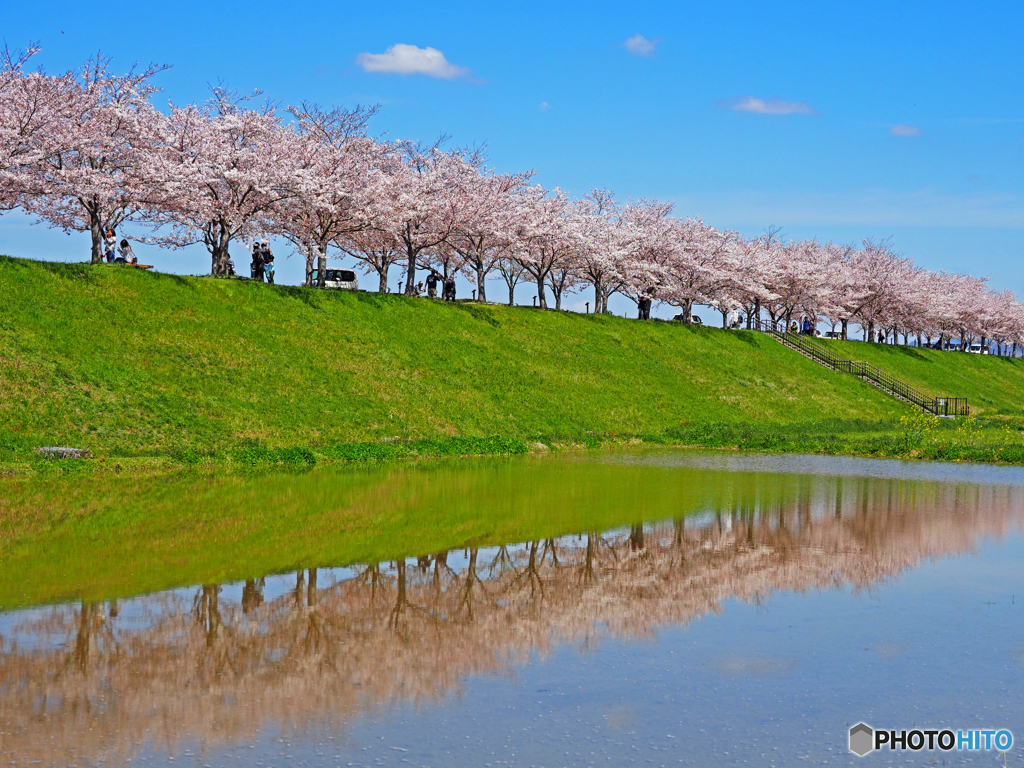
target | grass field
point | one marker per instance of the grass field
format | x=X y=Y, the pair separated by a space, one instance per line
x=152 y=368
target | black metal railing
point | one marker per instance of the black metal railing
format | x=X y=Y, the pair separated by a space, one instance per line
x=939 y=406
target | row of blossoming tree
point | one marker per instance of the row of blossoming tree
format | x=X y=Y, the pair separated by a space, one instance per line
x=87 y=151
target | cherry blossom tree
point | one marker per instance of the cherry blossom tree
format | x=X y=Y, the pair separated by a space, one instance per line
x=377 y=250
x=602 y=246
x=31 y=119
x=546 y=238
x=420 y=203
x=337 y=172
x=87 y=173
x=487 y=224
x=222 y=172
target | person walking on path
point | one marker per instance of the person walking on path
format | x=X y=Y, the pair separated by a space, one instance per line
x=808 y=327
x=432 y=280
x=449 y=289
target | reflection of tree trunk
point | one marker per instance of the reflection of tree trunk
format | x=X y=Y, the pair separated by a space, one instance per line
x=84 y=637
x=587 y=574
x=400 y=598
x=468 y=598
x=549 y=546
x=372 y=574
x=208 y=611
x=252 y=595
x=313 y=620
x=300 y=588
x=311 y=589
x=440 y=561
x=636 y=537
x=531 y=574
x=679 y=540
x=501 y=562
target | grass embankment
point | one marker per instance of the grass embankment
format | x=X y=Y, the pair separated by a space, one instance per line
x=157 y=369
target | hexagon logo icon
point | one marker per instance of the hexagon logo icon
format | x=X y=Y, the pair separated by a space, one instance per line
x=862 y=739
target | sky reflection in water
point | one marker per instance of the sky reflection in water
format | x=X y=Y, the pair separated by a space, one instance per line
x=754 y=630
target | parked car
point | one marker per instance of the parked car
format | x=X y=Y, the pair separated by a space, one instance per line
x=694 y=319
x=342 y=279
x=833 y=335
x=977 y=349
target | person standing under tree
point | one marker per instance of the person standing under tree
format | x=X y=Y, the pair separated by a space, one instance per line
x=109 y=243
x=268 y=266
x=432 y=279
x=256 y=267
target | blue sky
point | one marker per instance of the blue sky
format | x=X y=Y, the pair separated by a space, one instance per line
x=554 y=87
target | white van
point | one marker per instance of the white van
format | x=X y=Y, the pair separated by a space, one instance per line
x=977 y=349
x=342 y=279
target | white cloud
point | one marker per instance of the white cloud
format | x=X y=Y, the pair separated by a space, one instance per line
x=402 y=59
x=543 y=106
x=905 y=130
x=639 y=45
x=768 y=106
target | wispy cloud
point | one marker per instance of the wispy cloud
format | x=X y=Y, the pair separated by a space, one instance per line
x=905 y=130
x=543 y=106
x=639 y=45
x=402 y=59
x=768 y=106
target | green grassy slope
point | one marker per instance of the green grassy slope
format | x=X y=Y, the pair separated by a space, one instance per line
x=124 y=362
x=993 y=385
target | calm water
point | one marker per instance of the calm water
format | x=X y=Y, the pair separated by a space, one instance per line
x=666 y=608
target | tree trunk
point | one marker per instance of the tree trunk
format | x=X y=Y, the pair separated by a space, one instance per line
x=481 y=290
x=310 y=255
x=410 y=275
x=221 y=240
x=511 y=294
x=846 y=326
x=725 y=318
x=321 y=267
x=96 y=231
x=871 y=331
x=382 y=286
x=542 y=300
x=757 y=312
x=687 y=310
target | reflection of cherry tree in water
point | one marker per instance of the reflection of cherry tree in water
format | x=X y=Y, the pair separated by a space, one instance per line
x=414 y=630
